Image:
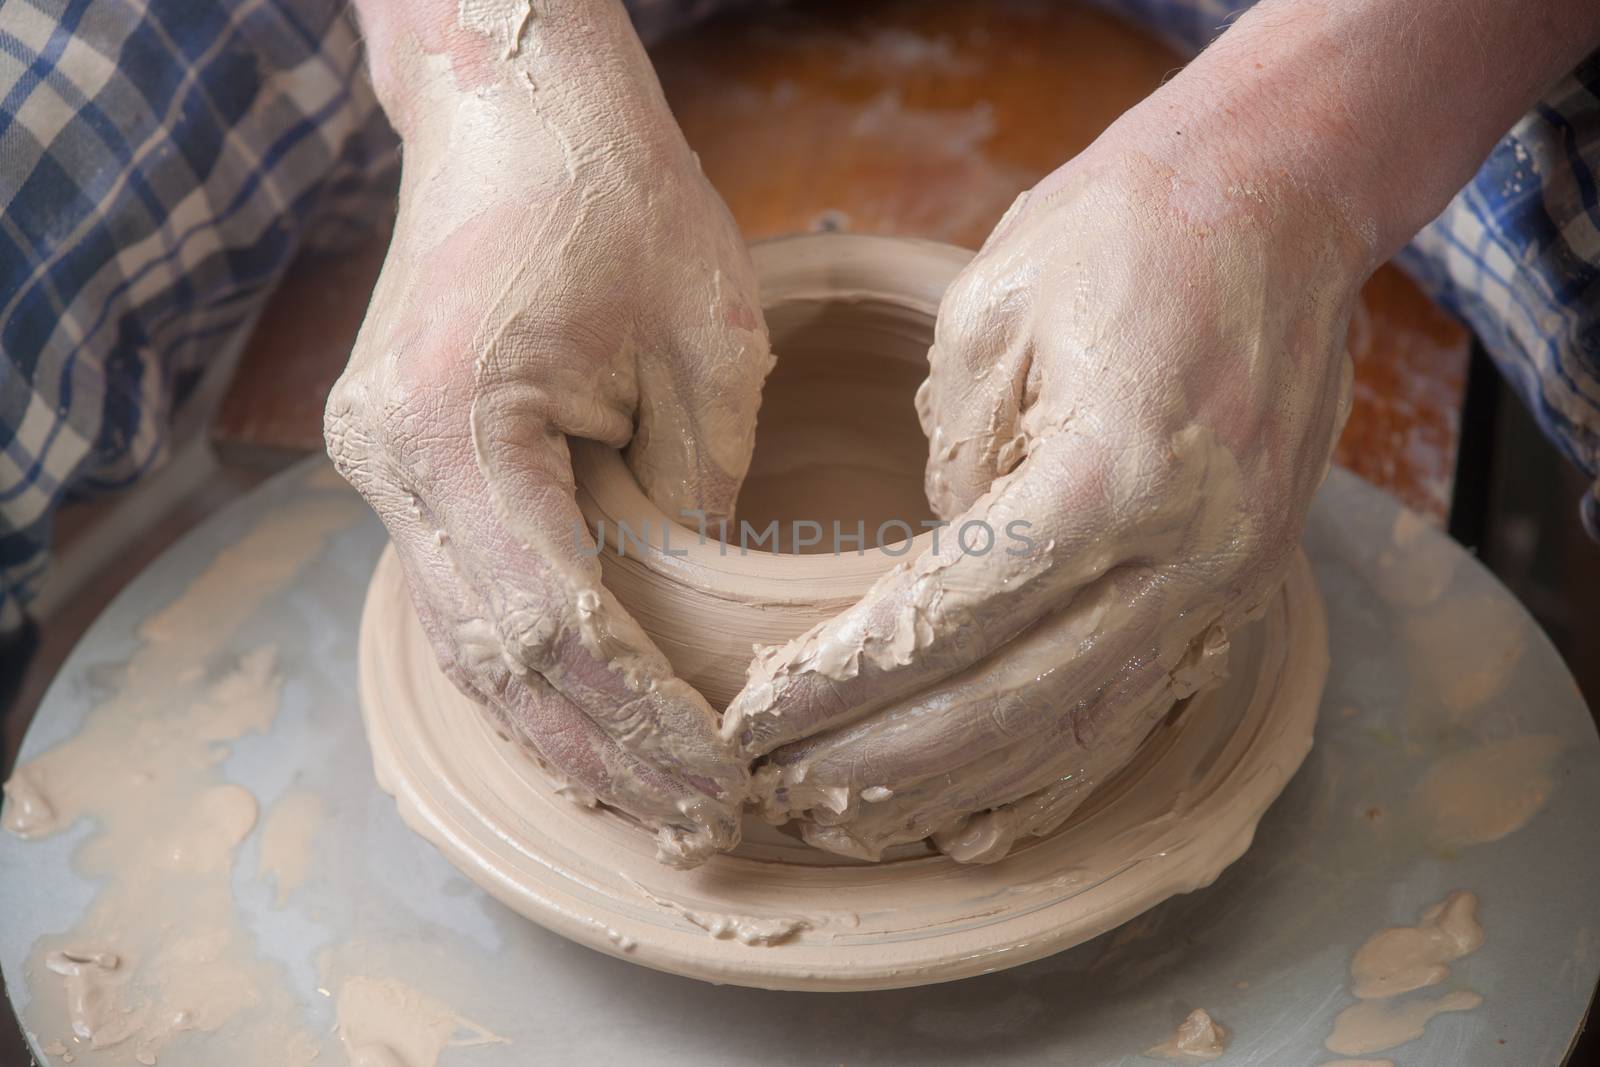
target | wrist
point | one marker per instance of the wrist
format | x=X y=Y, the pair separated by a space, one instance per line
x=574 y=73
x=1380 y=111
x=1217 y=178
x=1258 y=124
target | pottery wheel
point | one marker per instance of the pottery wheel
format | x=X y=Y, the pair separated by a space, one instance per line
x=1431 y=660
x=780 y=915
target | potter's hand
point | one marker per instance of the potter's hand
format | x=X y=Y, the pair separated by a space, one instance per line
x=1144 y=366
x=559 y=268
x=1133 y=394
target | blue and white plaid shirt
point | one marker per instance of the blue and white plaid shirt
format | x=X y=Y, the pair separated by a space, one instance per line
x=162 y=161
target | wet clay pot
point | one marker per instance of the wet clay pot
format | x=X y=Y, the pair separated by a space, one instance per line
x=837 y=447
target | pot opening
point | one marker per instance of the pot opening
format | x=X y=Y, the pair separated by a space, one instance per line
x=839 y=454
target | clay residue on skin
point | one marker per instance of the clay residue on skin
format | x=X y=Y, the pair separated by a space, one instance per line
x=1486 y=792
x=546 y=114
x=704 y=611
x=1198 y=1037
x=979 y=687
x=1404 y=958
x=286 y=840
x=1009 y=789
x=501 y=20
x=383 y=1022
x=963 y=676
x=1375 y=1025
x=846 y=361
x=1358 y=1063
x=159 y=951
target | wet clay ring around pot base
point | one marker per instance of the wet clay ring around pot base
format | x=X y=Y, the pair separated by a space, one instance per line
x=777 y=913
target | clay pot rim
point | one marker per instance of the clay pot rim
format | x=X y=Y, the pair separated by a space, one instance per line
x=792 y=269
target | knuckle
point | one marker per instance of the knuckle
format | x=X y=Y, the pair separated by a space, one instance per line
x=962 y=311
x=531 y=636
x=371 y=423
x=346 y=431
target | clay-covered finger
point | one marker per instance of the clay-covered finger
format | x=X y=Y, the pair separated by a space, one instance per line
x=588 y=688
x=981 y=378
x=988 y=836
x=1092 y=741
x=698 y=397
x=936 y=615
x=1083 y=508
x=1021 y=692
x=585 y=763
x=555 y=621
x=690 y=825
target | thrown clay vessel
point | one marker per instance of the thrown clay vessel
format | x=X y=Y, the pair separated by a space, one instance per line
x=851 y=319
x=849 y=315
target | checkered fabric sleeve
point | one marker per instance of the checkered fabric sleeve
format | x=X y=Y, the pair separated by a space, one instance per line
x=160 y=163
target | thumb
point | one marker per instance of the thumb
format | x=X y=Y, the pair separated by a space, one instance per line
x=980 y=381
x=698 y=399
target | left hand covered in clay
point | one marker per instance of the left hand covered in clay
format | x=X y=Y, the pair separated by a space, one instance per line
x=1143 y=374
x=560 y=268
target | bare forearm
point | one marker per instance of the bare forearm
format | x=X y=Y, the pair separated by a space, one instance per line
x=575 y=63
x=1384 y=108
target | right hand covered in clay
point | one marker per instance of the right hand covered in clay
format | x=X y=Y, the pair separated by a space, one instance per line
x=559 y=267
x=1134 y=391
